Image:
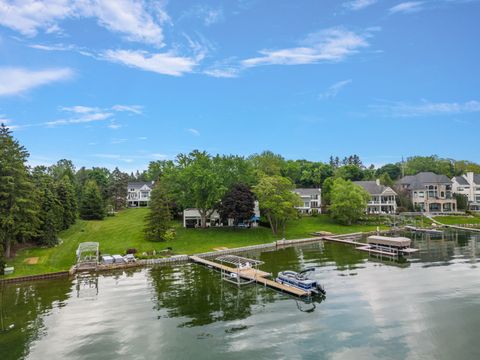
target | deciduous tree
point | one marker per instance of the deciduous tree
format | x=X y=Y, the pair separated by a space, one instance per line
x=348 y=201
x=238 y=204
x=277 y=201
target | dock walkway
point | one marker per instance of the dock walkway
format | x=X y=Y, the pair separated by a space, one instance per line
x=258 y=276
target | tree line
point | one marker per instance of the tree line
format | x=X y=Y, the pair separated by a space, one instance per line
x=37 y=203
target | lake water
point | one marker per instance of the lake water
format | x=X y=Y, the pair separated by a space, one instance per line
x=424 y=308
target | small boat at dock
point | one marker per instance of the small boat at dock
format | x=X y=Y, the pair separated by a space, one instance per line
x=300 y=281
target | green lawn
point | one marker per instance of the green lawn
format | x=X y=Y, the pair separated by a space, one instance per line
x=116 y=234
x=458 y=220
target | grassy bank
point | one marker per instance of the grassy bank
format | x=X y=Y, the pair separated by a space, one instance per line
x=458 y=220
x=123 y=231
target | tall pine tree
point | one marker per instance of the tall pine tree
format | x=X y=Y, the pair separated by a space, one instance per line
x=65 y=192
x=17 y=207
x=91 y=204
x=158 y=220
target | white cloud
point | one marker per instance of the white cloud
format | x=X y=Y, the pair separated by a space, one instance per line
x=138 y=20
x=334 y=89
x=15 y=81
x=118 y=141
x=129 y=17
x=79 y=109
x=4 y=119
x=222 y=72
x=213 y=16
x=85 y=114
x=407 y=7
x=329 y=45
x=114 y=126
x=28 y=16
x=427 y=108
x=194 y=131
x=359 y=4
x=135 y=109
x=86 y=118
x=162 y=63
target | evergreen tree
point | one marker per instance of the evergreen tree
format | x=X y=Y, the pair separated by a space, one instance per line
x=17 y=207
x=65 y=192
x=91 y=205
x=50 y=215
x=158 y=220
x=117 y=189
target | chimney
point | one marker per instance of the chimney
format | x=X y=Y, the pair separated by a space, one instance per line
x=469 y=177
x=377 y=182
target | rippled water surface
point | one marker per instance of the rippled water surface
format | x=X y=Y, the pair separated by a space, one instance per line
x=425 y=308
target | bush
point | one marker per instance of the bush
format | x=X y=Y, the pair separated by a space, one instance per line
x=170 y=235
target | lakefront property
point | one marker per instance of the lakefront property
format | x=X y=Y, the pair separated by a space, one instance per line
x=216 y=180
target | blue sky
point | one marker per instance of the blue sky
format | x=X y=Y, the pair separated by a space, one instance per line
x=121 y=83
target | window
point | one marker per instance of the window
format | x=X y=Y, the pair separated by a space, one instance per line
x=314 y=204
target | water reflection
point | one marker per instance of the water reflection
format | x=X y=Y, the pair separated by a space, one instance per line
x=424 y=306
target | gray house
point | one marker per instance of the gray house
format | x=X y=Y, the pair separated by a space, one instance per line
x=138 y=193
x=382 y=198
x=430 y=192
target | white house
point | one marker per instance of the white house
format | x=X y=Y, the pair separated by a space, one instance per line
x=138 y=193
x=468 y=185
x=311 y=198
x=382 y=198
x=192 y=218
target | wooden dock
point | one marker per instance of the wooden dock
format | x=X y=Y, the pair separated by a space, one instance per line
x=256 y=275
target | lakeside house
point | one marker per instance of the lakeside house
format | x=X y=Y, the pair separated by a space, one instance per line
x=192 y=218
x=429 y=192
x=138 y=193
x=311 y=199
x=382 y=198
x=468 y=185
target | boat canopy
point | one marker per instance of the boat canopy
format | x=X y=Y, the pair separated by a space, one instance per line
x=239 y=261
x=389 y=241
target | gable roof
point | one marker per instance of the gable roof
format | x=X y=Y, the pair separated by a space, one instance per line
x=139 y=184
x=307 y=192
x=461 y=180
x=418 y=181
x=373 y=188
x=476 y=179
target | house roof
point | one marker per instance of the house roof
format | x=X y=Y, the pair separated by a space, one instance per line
x=307 y=192
x=476 y=179
x=461 y=180
x=373 y=188
x=418 y=181
x=139 y=184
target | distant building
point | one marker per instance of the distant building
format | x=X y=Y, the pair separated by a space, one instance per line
x=382 y=198
x=192 y=218
x=468 y=185
x=138 y=193
x=429 y=192
x=311 y=199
